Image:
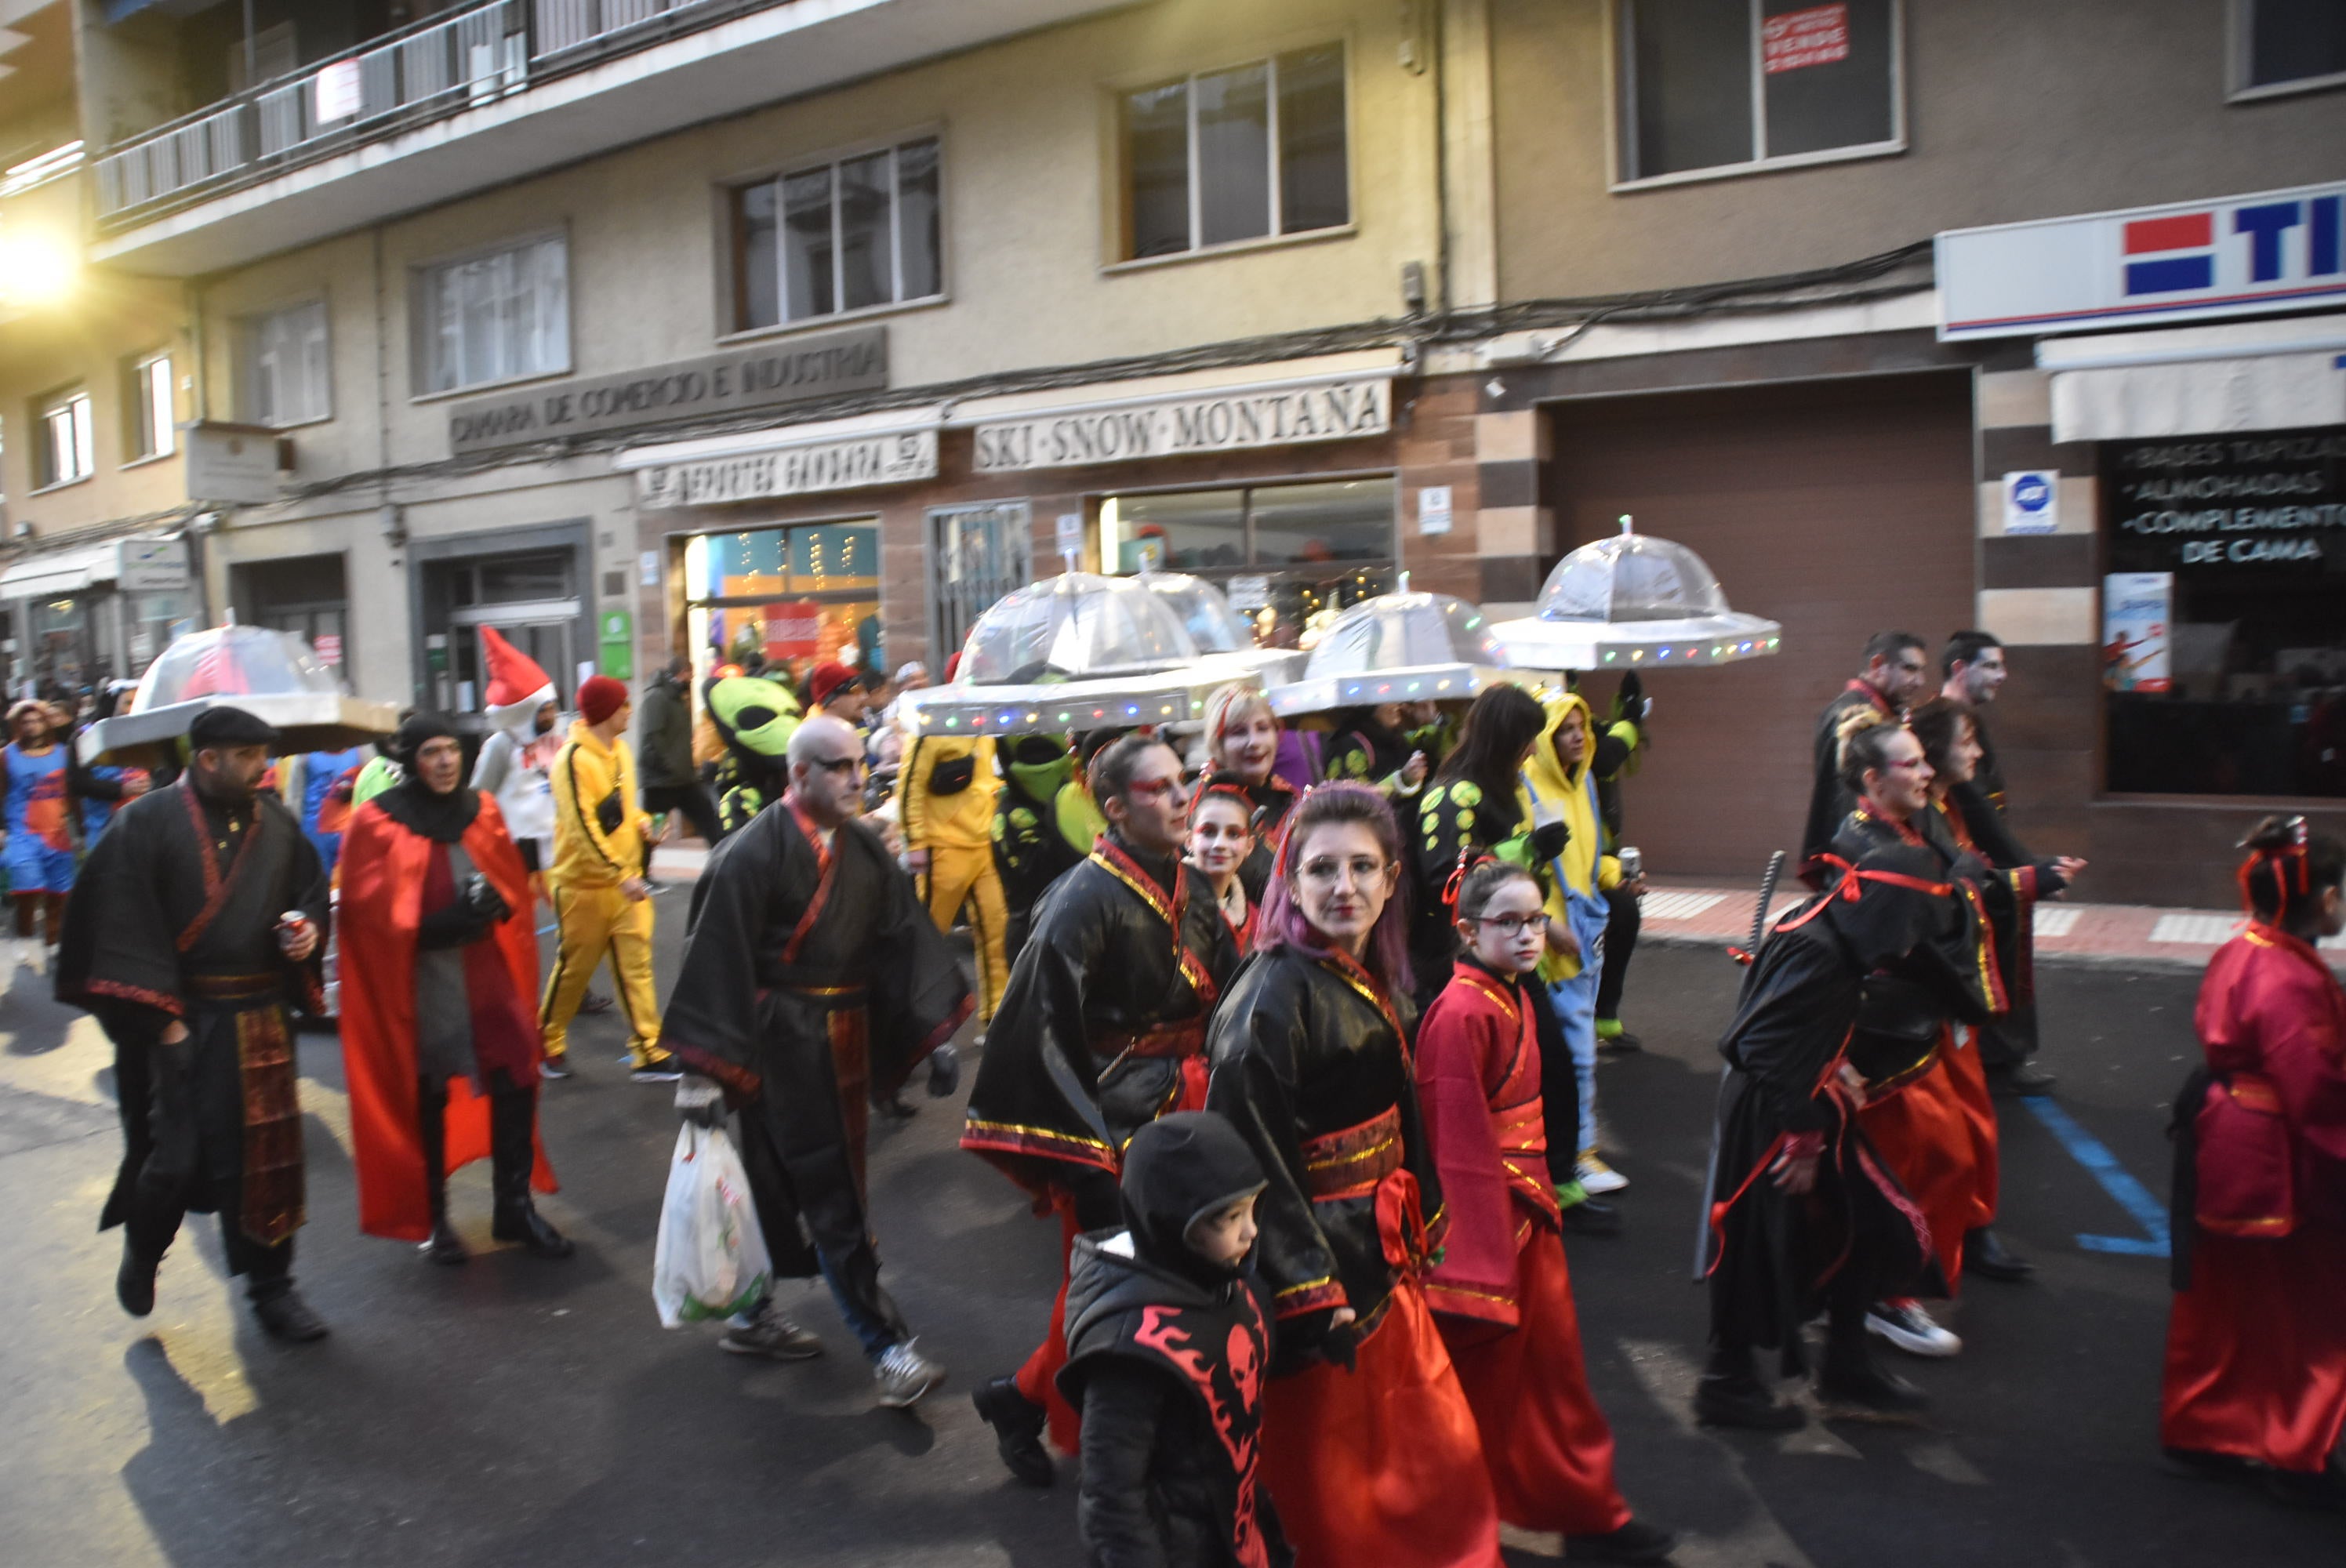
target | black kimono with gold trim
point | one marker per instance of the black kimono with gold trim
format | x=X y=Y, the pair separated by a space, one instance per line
x=813 y=982
x=1102 y=1027
x=1311 y=1064
x=174 y=916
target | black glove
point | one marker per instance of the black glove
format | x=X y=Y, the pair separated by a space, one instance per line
x=480 y=897
x=1630 y=702
x=699 y=1101
x=1340 y=1346
x=1548 y=840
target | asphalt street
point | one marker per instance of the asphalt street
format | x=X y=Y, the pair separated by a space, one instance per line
x=518 y=1412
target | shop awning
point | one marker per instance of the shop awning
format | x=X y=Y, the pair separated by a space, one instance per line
x=2198 y=380
x=56 y=575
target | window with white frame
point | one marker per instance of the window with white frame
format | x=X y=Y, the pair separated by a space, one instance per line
x=2287 y=46
x=288 y=375
x=148 y=406
x=1240 y=154
x=496 y=317
x=851 y=235
x=65 y=450
x=1713 y=86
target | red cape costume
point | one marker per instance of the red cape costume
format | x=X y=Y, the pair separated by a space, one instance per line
x=2256 y=1348
x=1502 y=1293
x=383 y=868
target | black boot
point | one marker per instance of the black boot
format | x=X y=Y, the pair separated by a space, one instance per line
x=1985 y=1255
x=285 y=1315
x=1852 y=1385
x=1730 y=1394
x=134 y=1283
x=432 y=1132
x=513 y=1153
x=1018 y=1422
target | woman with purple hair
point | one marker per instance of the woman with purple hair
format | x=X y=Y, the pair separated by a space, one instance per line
x=1368 y=1443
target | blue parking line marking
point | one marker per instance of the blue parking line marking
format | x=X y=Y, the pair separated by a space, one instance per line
x=2130 y=1194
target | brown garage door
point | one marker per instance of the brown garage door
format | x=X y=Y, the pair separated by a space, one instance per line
x=1838 y=508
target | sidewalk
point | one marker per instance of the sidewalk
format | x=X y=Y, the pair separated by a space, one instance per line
x=1684 y=913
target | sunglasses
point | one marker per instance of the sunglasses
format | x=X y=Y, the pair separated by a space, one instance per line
x=837 y=765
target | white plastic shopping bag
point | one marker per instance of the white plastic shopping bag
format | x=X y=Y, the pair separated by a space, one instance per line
x=712 y=1258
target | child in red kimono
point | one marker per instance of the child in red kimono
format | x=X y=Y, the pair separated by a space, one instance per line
x=1501 y=1294
x=2256 y=1348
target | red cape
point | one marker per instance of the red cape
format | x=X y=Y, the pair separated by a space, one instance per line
x=383 y=871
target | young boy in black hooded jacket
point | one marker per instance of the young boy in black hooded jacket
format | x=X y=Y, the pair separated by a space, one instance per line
x=1166 y=1349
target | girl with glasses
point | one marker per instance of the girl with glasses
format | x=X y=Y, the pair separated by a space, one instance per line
x=1502 y=1294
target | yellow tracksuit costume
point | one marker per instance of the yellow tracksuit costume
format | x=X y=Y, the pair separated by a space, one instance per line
x=1548 y=793
x=957 y=827
x=598 y=843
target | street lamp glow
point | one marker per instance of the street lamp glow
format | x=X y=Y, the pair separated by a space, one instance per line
x=35 y=269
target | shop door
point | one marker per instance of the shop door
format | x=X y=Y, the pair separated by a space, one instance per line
x=1840 y=508
x=978 y=554
x=547 y=633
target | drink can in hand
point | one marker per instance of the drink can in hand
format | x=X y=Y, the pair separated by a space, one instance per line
x=1633 y=862
x=290 y=927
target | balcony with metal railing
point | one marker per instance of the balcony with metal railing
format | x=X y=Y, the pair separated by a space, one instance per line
x=405 y=120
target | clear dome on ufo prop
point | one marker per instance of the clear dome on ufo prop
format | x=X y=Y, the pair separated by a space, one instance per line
x=1397 y=647
x=1075 y=652
x=1216 y=628
x=271 y=675
x=1634 y=602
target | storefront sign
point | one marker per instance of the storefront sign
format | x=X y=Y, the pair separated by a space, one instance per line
x=2137 y=609
x=2224 y=503
x=2278 y=250
x=792 y=372
x=1434 y=509
x=328 y=647
x=615 y=638
x=1175 y=426
x=151 y=565
x=1247 y=595
x=900 y=457
x=2031 y=502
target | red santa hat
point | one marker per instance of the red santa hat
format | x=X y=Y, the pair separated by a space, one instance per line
x=513 y=675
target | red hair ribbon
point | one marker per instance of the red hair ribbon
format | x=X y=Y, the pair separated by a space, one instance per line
x=2281 y=860
x=1467 y=861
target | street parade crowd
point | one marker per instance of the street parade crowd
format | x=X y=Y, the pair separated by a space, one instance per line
x=1292 y=1032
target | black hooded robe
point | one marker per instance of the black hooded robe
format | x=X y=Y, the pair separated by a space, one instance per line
x=1166 y=1358
x=174 y=917
x=1771 y=1255
x=813 y=982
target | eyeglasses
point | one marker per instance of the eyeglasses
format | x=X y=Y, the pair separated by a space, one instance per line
x=1509 y=925
x=834 y=766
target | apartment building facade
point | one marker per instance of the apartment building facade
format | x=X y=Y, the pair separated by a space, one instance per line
x=633 y=327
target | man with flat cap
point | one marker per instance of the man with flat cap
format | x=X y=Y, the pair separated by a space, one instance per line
x=197 y=921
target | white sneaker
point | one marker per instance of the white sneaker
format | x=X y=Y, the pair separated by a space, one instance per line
x=903 y=1374
x=1597 y=1178
x=35 y=955
x=1905 y=1325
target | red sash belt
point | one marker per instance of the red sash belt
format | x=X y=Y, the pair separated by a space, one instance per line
x=234 y=987
x=1166 y=1040
x=1352 y=1162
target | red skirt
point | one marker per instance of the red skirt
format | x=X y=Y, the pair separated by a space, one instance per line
x=1545 y=1443
x=1938 y=1136
x=2256 y=1350
x=1381 y=1465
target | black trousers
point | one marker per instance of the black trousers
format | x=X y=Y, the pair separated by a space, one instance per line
x=1621 y=927
x=151 y=1221
x=693 y=801
x=852 y=1268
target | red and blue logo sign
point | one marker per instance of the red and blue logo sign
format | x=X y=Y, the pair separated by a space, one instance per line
x=2200 y=261
x=2179 y=253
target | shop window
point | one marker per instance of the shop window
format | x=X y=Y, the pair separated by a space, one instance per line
x=66 y=450
x=154 y=620
x=1713 y=86
x=288 y=375
x=1289 y=556
x=846 y=236
x=2224 y=620
x=1240 y=154
x=789 y=597
x=495 y=317
x=148 y=406
x=2287 y=46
